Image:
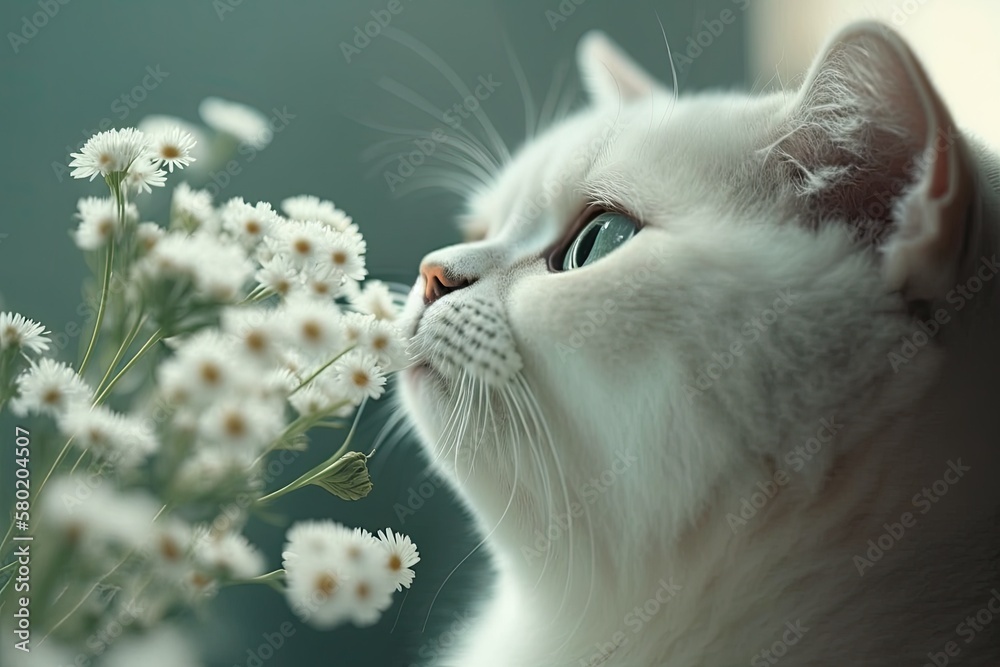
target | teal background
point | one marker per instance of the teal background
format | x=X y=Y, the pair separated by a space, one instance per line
x=287 y=55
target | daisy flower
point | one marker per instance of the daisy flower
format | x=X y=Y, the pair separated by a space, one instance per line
x=49 y=387
x=99 y=221
x=313 y=327
x=398 y=557
x=384 y=341
x=125 y=441
x=333 y=574
x=149 y=234
x=238 y=423
x=375 y=299
x=301 y=242
x=347 y=256
x=255 y=329
x=359 y=376
x=109 y=152
x=229 y=555
x=79 y=513
x=278 y=276
x=246 y=222
x=312 y=400
x=158 y=124
x=210 y=467
x=204 y=366
x=145 y=174
x=324 y=283
x=172 y=148
x=192 y=209
x=169 y=545
x=17 y=331
x=308 y=207
x=218 y=270
x=246 y=124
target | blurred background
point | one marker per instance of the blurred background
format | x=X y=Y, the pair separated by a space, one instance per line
x=339 y=97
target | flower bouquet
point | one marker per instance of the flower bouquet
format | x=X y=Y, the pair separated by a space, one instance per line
x=214 y=344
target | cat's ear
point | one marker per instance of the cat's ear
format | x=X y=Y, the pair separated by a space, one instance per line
x=609 y=74
x=870 y=142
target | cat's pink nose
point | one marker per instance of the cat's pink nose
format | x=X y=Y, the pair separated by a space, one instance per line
x=437 y=283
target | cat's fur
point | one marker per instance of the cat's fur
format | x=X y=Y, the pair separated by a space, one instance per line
x=816 y=228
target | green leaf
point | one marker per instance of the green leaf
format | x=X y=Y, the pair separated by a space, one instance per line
x=348 y=478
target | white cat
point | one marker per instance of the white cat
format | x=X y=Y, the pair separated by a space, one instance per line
x=717 y=376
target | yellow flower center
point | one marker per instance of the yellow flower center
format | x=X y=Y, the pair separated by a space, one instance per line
x=325 y=585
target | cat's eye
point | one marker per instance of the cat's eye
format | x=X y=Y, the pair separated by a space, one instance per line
x=599 y=236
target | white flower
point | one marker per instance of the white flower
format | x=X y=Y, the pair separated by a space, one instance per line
x=49 y=387
x=145 y=174
x=17 y=331
x=359 y=376
x=218 y=270
x=158 y=124
x=245 y=123
x=324 y=282
x=170 y=544
x=193 y=208
x=210 y=467
x=172 y=147
x=399 y=557
x=255 y=329
x=312 y=400
x=376 y=299
x=204 y=366
x=384 y=341
x=99 y=221
x=346 y=254
x=242 y=424
x=161 y=647
x=125 y=441
x=229 y=555
x=108 y=152
x=303 y=243
x=247 y=222
x=308 y=207
x=334 y=574
x=279 y=276
x=314 y=327
x=149 y=234
x=80 y=511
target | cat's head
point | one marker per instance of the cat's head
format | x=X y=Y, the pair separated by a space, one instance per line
x=660 y=292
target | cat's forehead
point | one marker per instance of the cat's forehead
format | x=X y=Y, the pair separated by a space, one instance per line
x=654 y=154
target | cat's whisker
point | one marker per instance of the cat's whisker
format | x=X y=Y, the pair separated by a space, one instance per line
x=471 y=155
x=556 y=97
x=503 y=515
x=530 y=110
x=440 y=453
x=433 y=59
x=416 y=100
x=673 y=74
x=540 y=465
x=396 y=426
x=550 y=441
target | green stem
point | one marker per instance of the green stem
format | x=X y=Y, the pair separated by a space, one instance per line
x=126 y=344
x=153 y=339
x=319 y=370
x=273 y=579
x=105 y=290
x=320 y=470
